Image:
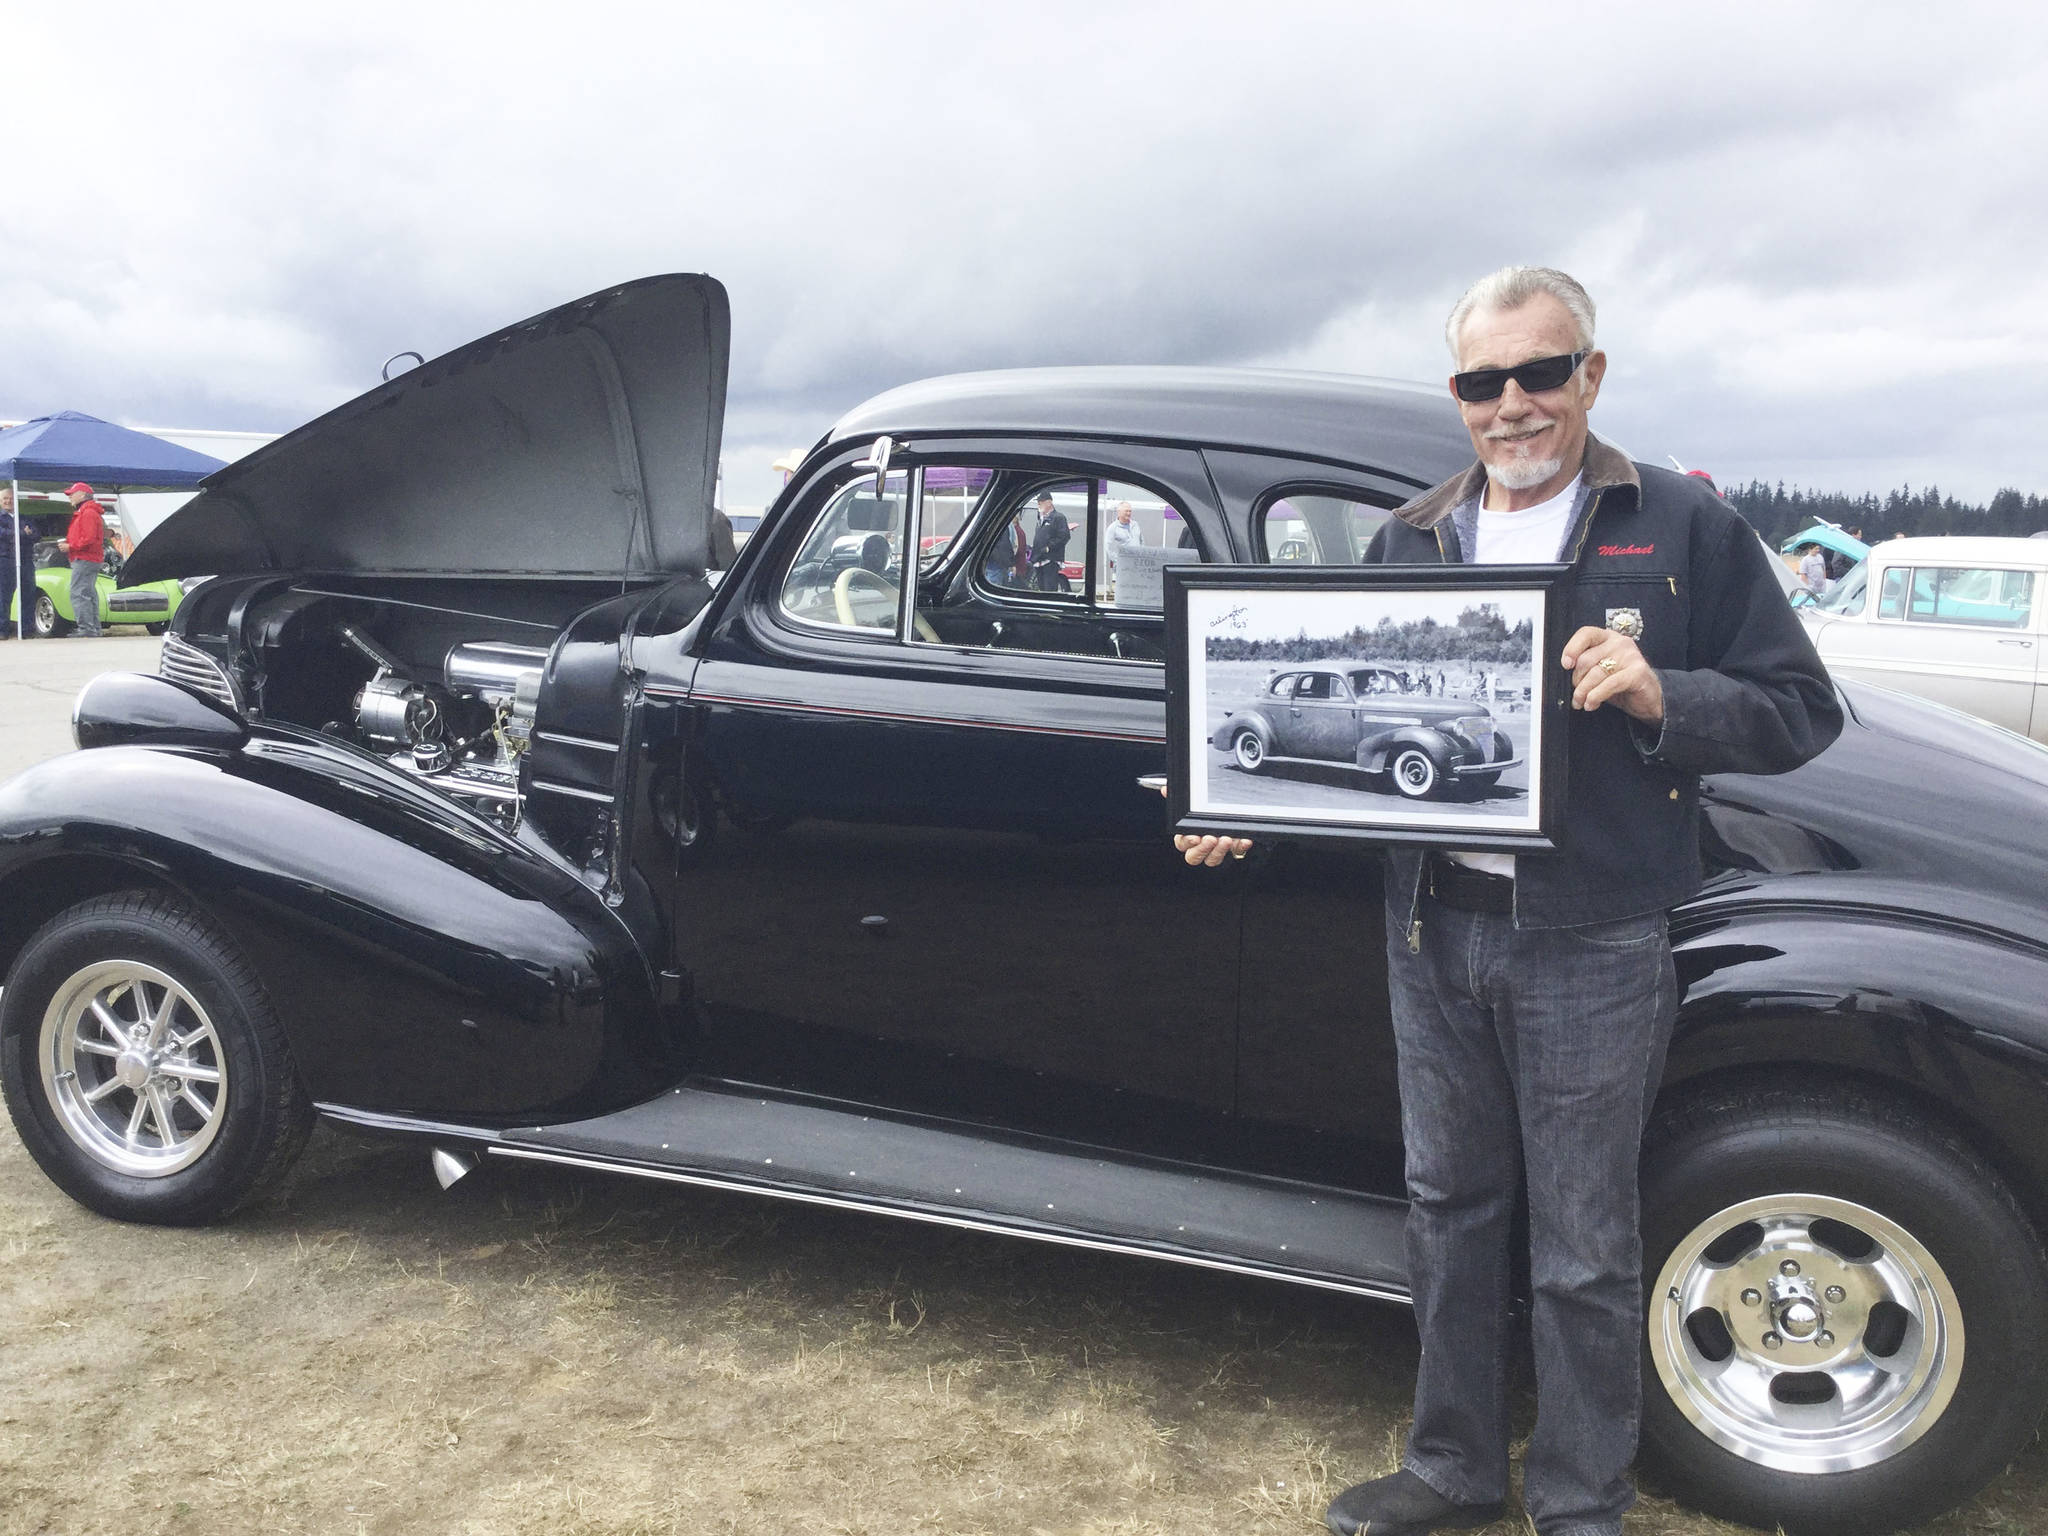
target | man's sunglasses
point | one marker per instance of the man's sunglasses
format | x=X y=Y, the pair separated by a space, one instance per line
x=1539 y=374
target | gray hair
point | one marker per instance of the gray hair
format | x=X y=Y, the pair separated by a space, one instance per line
x=1511 y=288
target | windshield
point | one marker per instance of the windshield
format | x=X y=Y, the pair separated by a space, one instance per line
x=1846 y=595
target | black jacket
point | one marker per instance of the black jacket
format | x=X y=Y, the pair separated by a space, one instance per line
x=1744 y=690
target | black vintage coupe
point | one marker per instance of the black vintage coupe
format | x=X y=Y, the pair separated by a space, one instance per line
x=470 y=806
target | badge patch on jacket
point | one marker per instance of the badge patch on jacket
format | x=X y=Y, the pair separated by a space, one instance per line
x=1626 y=621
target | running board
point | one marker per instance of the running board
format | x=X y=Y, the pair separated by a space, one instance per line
x=1083 y=1197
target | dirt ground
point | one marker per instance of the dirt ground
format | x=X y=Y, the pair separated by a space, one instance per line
x=541 y=1351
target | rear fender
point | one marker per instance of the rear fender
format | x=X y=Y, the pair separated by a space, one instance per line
x=1944 y=1018
x=421 y=961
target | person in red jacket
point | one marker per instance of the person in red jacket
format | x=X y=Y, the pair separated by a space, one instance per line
x=86 y=542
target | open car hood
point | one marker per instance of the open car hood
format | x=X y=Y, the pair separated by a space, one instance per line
x=582 y=442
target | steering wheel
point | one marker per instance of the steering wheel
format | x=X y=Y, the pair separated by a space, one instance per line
x=842 y=600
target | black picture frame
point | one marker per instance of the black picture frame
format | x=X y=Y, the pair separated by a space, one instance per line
x=1430 y=778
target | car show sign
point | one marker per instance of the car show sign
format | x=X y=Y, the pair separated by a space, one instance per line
x=1392 y=704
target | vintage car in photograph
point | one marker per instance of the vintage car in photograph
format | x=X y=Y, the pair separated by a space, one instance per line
x=1960 y=619
x=467 y=809
x=1371 y=719
x=50 y=612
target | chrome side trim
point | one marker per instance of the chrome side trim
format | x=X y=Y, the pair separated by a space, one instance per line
x=1376 y=1292
x=577 y=741
x=553 y=788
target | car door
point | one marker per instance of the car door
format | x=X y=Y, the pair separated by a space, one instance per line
x=934 y=883
x=1322 y=720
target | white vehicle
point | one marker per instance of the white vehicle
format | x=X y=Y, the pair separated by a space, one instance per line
x=1962 y=621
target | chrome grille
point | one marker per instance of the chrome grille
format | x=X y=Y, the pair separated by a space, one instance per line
x=183 y=662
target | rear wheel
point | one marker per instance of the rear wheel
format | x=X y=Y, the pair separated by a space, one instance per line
x=1845 y=1328
x=143 y=1066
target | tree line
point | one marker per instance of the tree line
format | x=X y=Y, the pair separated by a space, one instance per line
x=1778 y=513
x=1480 y=635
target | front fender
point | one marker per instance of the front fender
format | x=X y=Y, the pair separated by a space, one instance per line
x=420 y=961
x=1376 y=751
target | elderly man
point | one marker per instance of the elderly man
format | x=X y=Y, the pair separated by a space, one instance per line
x=85 y=541
x=1532 y=998
x=1121 y=534
x=1049 y=546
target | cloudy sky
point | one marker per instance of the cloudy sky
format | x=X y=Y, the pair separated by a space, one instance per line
x=1817 y=234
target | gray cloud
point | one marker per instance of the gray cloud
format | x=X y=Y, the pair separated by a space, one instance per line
x=1813 y=232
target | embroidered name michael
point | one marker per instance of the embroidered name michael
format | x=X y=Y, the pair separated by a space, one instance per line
x=1628 y=549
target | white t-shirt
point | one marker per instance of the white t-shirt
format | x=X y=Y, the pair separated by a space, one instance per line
x=1531 y=536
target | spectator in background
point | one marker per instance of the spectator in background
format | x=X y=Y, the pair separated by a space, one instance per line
x=85 y=541
x=1813 y=570
x=1122 y=534
x=10 y=564
x=1049 y=546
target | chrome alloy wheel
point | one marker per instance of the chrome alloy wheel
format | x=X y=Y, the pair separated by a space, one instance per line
x=133 y=1067
x=1806 y=1333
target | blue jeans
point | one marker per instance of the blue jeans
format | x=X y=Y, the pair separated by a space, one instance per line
x=1530 y=1052
x=85 y=595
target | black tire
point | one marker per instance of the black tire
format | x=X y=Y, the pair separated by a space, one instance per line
x=1416 y=773
x=154 y=629
x=45 y=623
x=1249 y=749
x=1845 y=1168
x=69 y=1094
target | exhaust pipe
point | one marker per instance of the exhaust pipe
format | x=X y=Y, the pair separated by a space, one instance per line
x=450 y=1166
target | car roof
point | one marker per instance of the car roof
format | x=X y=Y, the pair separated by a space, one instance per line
x=1408 y=431
x=1977 y=549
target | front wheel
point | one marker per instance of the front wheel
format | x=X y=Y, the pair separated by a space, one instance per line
x=1250 y=751
x=45 y=623
x=1847 y=1312
x=1415 y=773
x=143 y=1066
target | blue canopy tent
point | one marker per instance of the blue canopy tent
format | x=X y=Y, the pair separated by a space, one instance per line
x=72 y=446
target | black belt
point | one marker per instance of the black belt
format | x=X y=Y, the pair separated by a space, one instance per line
x=1465 y=889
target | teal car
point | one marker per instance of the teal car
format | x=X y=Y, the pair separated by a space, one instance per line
x=50 y=612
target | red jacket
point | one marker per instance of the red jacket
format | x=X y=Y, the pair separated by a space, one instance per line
x=86 y=539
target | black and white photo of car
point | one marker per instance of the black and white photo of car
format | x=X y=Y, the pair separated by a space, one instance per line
x=1383 y=722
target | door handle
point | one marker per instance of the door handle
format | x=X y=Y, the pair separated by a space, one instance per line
x=1156 y=782
x=2023 y=644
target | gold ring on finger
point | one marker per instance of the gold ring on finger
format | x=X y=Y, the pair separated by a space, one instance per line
x=1607 y=663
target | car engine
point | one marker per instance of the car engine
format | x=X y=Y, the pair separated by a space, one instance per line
x=464 y=732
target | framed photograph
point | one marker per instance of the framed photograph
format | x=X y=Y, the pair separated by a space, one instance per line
x=1391 y=704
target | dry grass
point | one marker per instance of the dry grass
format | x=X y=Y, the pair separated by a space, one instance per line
x=540 y=1352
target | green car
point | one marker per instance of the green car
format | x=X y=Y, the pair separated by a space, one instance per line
x=50 y=613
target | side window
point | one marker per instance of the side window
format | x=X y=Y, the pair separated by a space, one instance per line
x=1891 y=603
x=850 y=568
x=1316 y=528
x=950 y=497
x=1282 y=687
x=1100 y=543
x=1313 y=685
x=1968 y=595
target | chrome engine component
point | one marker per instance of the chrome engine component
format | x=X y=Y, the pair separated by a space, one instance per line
x=464 y=734
x=397 y=714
